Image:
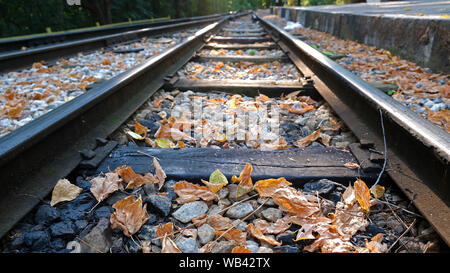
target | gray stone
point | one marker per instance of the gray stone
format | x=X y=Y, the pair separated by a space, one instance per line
x=46 y=214
x=190 y=210
x=148 y=232
x=99 y=238
x=252 y=246
x=62 y=228
x=239 y=211
x=160 y=204
x=223 y=193
x=264 y=249
x=205 y=234
x=37 y=239
x=323 y=186
x=271 y=214
x=241 y=226
x=223 y=247
x=187 y=245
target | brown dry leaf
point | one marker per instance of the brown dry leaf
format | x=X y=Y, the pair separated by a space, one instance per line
x=294 y=202
x=240 y=249
x=200 y=220
x=352 y=165
x=133 y=179
x=281 y=225
x=267 y=187
x=375 y=245
x=189 y=192
x=129 y=215
x=64 y=191
x=162 y=230
x=219 y=222
x=301 y=111
x=168 y=246
x=233 y=234
x=159 y=173
x=245 y=181
x=102 y=187
x=140 y=129
x=166 y=131
x=255 y=232
x=306 y=141
x=362 y=194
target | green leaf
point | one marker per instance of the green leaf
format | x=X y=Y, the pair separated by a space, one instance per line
x=314 y=46
x=163 y=143
x=329 y=53
x=218 y=178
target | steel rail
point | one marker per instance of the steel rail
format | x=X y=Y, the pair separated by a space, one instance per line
x=22 y=58
x=418 y=152
x=41 y=40
x=34 y=157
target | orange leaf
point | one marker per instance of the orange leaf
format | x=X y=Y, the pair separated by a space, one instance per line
x=245 y=181
x=375 y=245
x=133 y=179
x=189 y=192
x=294 y=202
x=240 y=249
x=129 y=215
x=140 y=129
x=362 y=194
x=233 y=234
x=255 y=232
x=301 y=111
x=351 y=165
x=267 y=187
x=160 y=175
x=306 y=141
x=165 y=229
x=218 y=222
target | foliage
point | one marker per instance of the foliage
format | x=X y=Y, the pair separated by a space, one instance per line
x=22 y=17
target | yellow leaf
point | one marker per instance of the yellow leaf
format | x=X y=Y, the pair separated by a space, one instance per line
x=362 y=194
x=134 y=135
x=445 y=16
x=377 y=191
x=267 y=187
x=64 y=191
x=163 y=143
x=216 y=181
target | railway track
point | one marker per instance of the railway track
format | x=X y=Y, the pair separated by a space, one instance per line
x=230 y=65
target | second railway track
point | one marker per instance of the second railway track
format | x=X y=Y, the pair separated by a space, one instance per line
x=238 y=67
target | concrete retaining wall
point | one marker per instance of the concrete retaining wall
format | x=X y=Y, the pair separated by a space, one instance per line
x=423 y=41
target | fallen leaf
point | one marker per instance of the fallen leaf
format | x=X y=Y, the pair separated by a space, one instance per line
x=140 y=129
x=240 y=249
x=306 y=141
x=133 y=179
x=281 y=225
x=134 y=135
x=64 y=191
x=165 y=229
x=377 y=191
x=129 y=215
x=267 y=187
x=159 y=173
x=200 y=220
x=163 y=143
x=245 y=181
x=189 y=192
x=168 y=246
x=362 y=194
x=375 y=245
x=233 y=234
x=255 y=232
x=294 y=202
x=216 y=181
x=102 y=187
x=219 y=222
x=352 y=165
